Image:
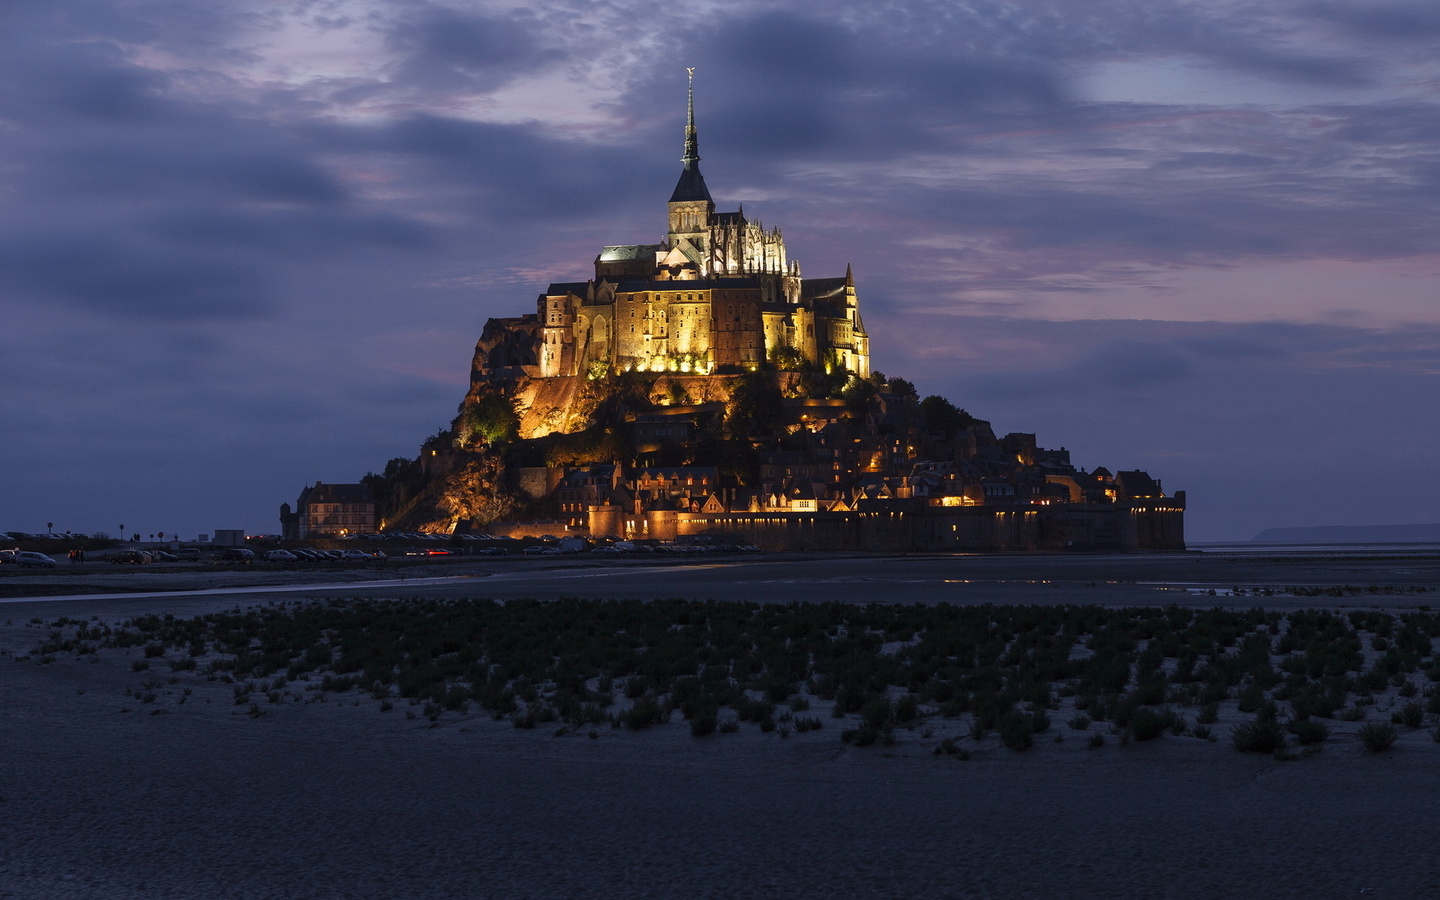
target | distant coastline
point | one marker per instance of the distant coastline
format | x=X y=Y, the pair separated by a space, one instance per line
x=1350 y=534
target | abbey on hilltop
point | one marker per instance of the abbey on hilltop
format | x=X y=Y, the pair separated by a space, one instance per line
x=700 y=389
x=718 y=295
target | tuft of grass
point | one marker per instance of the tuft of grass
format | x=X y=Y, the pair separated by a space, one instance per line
x=1308 y=732
x=1146 y=724
x=1080 y=722
x=1259 y=736
x=1097 y=740
x=1378 y=736
x=1017 y=731
x=704 y=722
x=1412 y=714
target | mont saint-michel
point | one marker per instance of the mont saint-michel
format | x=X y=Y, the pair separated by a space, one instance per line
x=702 y=385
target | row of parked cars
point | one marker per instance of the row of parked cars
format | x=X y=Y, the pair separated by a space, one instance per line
x=141 y=557
x=310 y=554
x=27 y=558
x=27 y=536
x=298 y=554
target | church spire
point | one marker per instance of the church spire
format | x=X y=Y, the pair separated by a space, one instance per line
x=692 y=143
x=691 y=186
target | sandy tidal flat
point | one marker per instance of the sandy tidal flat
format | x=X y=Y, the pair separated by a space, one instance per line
x=333 y=798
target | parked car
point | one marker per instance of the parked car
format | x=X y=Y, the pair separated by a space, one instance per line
x=131 y=558
x=32 y=560
x=237 y=554
x=356 y=554
x=7 y=556
x=280 y=556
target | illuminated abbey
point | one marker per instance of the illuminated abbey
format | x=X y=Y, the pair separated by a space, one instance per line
x=718 y=295
x=699 y=387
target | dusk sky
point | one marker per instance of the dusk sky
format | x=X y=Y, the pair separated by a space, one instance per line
x=246 y=245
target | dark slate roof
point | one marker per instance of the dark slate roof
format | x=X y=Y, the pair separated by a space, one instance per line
x=629 y=251
x=691 y=185
x=676 y=473
x=560 y=288
x=1138 y=483
x=822 y=287
x=698 y=284
x=335 y=493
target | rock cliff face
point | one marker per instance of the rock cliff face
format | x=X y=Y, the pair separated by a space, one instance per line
x=567 y=404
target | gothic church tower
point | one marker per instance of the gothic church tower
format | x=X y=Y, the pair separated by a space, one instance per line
x=690 y=204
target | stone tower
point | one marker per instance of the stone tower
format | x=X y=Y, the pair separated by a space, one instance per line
x=690 y=202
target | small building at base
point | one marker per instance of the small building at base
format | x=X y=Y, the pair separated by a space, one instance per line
x=329 y=509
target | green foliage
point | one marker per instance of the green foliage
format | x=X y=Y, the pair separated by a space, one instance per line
x=1378 y=737
x=1259 y=736
x=704 y=722
x=789 y=359
x=395 y=486
x=1017 y=730
x=491 y=419
x=1147 y=724
x=944 y=417
x=756 y=405
x=721 y=664
x=1308 y=732
x=858 y=392
x=902 y=388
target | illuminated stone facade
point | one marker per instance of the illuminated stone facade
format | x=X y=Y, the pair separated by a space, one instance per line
x=329 y=509
x=718 y=295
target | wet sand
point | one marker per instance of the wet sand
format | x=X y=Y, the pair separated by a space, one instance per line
x=329 y=800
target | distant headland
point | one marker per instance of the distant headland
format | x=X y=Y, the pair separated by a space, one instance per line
x=1351 y=534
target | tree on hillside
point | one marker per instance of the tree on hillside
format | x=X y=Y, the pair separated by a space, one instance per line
x=491 y=419
x=943 y=417
x=788 y=359
x=756 y=405
x=900 y=387
x=401 y=480
x=858 y=392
